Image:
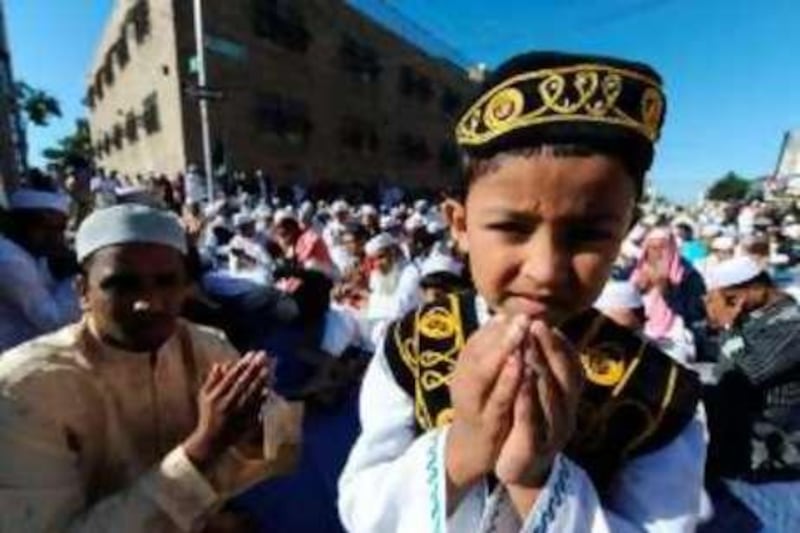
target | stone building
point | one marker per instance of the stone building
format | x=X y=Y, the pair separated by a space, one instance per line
x=303 y=89
x=12 y=139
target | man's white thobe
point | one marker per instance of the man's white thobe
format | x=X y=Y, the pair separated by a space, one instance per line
x=394 y=481
x=90 y=435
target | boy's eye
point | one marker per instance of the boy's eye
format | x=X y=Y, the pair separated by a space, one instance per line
x=589 y=235
x=511 y=227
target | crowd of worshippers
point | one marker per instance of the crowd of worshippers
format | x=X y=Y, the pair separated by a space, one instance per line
x=327 y=278
x=195 y=363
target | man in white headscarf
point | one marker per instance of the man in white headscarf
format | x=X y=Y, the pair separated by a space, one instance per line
x=36 y=293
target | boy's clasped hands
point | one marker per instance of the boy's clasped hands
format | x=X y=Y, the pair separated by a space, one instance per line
x=515 y=393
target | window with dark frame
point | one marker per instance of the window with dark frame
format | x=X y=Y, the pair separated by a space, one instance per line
x=139 y=17
x=412 y=148
x=116 y=136
x=415 y=85
x=122 y=52
x=131 y=127
x=359 y=59
x=285 y=118
x=448 y=156
x=451 y=102
x=282 y=23
x=150 y=115
x=359 y=136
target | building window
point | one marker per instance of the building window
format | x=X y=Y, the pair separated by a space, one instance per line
x=415 y=85
x=139 y=17
x=90 y=98
x=359 y=136
x=108 y=73
x=448 y=156
x=281 y=22
x=98 y=87
x=412 y=148
x=116 y=137
x=131 y=127
x=451 y=102
x=106 y=143
x=150 y=116
x=285 y=118
x=360 y=60
x=122 y=52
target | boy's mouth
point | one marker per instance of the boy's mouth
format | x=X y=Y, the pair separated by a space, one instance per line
x=530 y=306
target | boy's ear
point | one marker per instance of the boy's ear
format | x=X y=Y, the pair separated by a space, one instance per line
x=456 y=216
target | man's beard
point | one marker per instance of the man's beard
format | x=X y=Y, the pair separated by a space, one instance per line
x=387 y=283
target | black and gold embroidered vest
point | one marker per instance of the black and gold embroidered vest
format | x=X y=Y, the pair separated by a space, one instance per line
x=636 y=398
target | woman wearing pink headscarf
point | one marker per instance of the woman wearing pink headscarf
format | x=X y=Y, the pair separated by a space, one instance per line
x=673 y=290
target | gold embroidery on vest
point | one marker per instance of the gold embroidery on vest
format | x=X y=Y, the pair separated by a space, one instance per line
x=434 y=369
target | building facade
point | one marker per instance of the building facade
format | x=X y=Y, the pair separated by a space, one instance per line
x=302 y=89
x=12 y=139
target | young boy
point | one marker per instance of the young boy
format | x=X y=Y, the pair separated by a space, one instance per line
x=519 y=408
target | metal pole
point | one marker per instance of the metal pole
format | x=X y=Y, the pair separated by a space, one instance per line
x=203 y=101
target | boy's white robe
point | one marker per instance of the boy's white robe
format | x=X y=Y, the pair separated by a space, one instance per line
x=395 y=481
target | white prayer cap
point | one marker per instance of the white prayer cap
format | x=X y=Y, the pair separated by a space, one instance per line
x=388 y=222
x=710 y=231
x=618 y=294
x=368 y=209
x=421 y=205
x=441 y=263
x=637 y=233
x=35 y=199
x=263 y=211
x=378 y=243
x=129 y=223
x=792 y=232
x=435 y=226
x=659 y=234
x=242 y=219
x=630 y=250
x=732 y=272
x=339 y=206
x=284 y=214
x=723 y=244
x=415 y=221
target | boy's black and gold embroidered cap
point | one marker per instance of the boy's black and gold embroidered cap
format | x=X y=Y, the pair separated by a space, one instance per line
x=538 y=98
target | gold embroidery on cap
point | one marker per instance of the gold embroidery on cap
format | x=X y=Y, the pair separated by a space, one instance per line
x=588 y=93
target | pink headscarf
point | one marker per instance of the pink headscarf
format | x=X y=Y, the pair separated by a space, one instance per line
x=660 y=316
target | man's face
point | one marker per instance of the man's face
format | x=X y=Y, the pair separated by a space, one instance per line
x=287 y=235
x=723 y=307
x=352 y=245
x=385 y=260
x=542 y=232
x=134 y=293
x=43 y=231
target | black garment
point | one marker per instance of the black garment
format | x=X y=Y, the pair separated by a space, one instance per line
x=754 y=411
x=636 y=398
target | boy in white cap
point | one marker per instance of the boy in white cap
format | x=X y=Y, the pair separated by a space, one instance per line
x=754 y=410
x=131 y=418
x=36 y=293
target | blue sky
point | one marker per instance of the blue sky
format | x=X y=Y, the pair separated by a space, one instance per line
x=732 y=67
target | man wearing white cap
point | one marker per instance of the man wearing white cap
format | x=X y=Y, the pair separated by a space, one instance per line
x=36 y=292
x=394 y=281
x=754 y=410
x=131 y=419
x=247 y=257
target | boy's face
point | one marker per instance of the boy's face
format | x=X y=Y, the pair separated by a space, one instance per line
x=542 y=232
